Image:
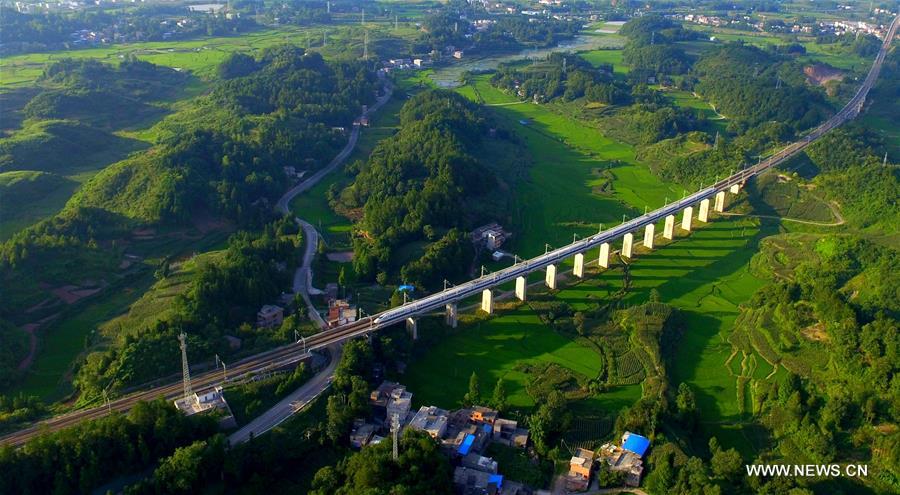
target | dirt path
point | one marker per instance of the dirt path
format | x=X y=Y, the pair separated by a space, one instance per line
x=834 y=211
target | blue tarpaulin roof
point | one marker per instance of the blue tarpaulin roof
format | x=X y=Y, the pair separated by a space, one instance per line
x=486 y=428
x=467 y=444
x=636 y=443
x=496 y=478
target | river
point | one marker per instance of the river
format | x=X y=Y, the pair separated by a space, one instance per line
x=448 y=76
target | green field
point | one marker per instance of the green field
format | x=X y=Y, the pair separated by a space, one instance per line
x=597 y=57
x=705 y=275
x=202 y=56
x=557 y=199
x=50 y=375
x=28 y=197
x=492 y=348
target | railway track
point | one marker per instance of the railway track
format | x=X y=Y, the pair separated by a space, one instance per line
x=292 y=353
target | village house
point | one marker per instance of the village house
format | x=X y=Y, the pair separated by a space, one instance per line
x=269 y=316
x=581 y=467
x=628 y=458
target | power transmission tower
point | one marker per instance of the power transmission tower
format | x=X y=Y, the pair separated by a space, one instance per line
x=366 y=46
x=328 y=7
x=395 y=434
x=396 y=22
x=363 y=21
x=185 y=370
x=324 y=38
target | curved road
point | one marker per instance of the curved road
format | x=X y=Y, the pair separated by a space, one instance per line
x=303 y=275
x=294 y=352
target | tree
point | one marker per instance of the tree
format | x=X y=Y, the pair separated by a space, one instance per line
x=686 y=405
x=420 y=468
x=473 y=396
x=342 y=280
x=498 y=400
x=726 y=464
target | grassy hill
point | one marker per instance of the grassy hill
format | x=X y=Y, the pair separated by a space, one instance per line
x=29 y=196
x=157 y=303
x=64 y=147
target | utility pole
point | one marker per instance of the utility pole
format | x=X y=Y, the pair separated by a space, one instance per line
x=324 y=38
x=366 y=46
x=328 y=7
x=224 y=370
x=185 y=370
x=363 y=21
x=396 y=22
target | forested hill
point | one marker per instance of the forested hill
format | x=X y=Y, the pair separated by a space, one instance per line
x=231 y=161
x=420 y=184
x=221 y=156
x=752 y=86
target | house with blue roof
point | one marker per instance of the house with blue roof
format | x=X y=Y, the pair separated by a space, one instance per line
x=627 y=458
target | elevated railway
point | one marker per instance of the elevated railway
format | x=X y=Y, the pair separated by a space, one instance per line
x=293 y=353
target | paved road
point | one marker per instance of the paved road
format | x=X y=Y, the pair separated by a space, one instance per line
x=309 y=391
x=293 y=352
x=294 y=402
x=303 y=276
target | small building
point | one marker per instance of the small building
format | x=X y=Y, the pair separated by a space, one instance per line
x=269 y=316
x=497 y=255
x=208 y=402
x=581 y=467
x=474 y=482
x=507 y=432
x=481 y=414
x=432 y=420
x=361 y=434
x=340 y=313
x=391 y=399
x=458 y=54
x=491 y=236
x=628 y=458
x=479 y=462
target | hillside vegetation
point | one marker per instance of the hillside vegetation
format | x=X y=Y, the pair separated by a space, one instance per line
x=420 y=185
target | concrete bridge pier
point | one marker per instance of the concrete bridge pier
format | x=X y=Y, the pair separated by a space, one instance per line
x=452 y=316
x=735 y=188
x=649 y=232
x=604 y=255
x=627 y=244
x=487 y=301
x=521 y=284
x=719 y=205
x=686 y=219
x=703 y=214
x=412 y=328
x=669 y=229
x=579 y=265
x=550 y=278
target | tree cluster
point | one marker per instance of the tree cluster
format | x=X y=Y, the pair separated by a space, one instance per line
x=79 y=459
x=562 y=76
x=220 y=298
x=420 y=181
x=421 y=467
